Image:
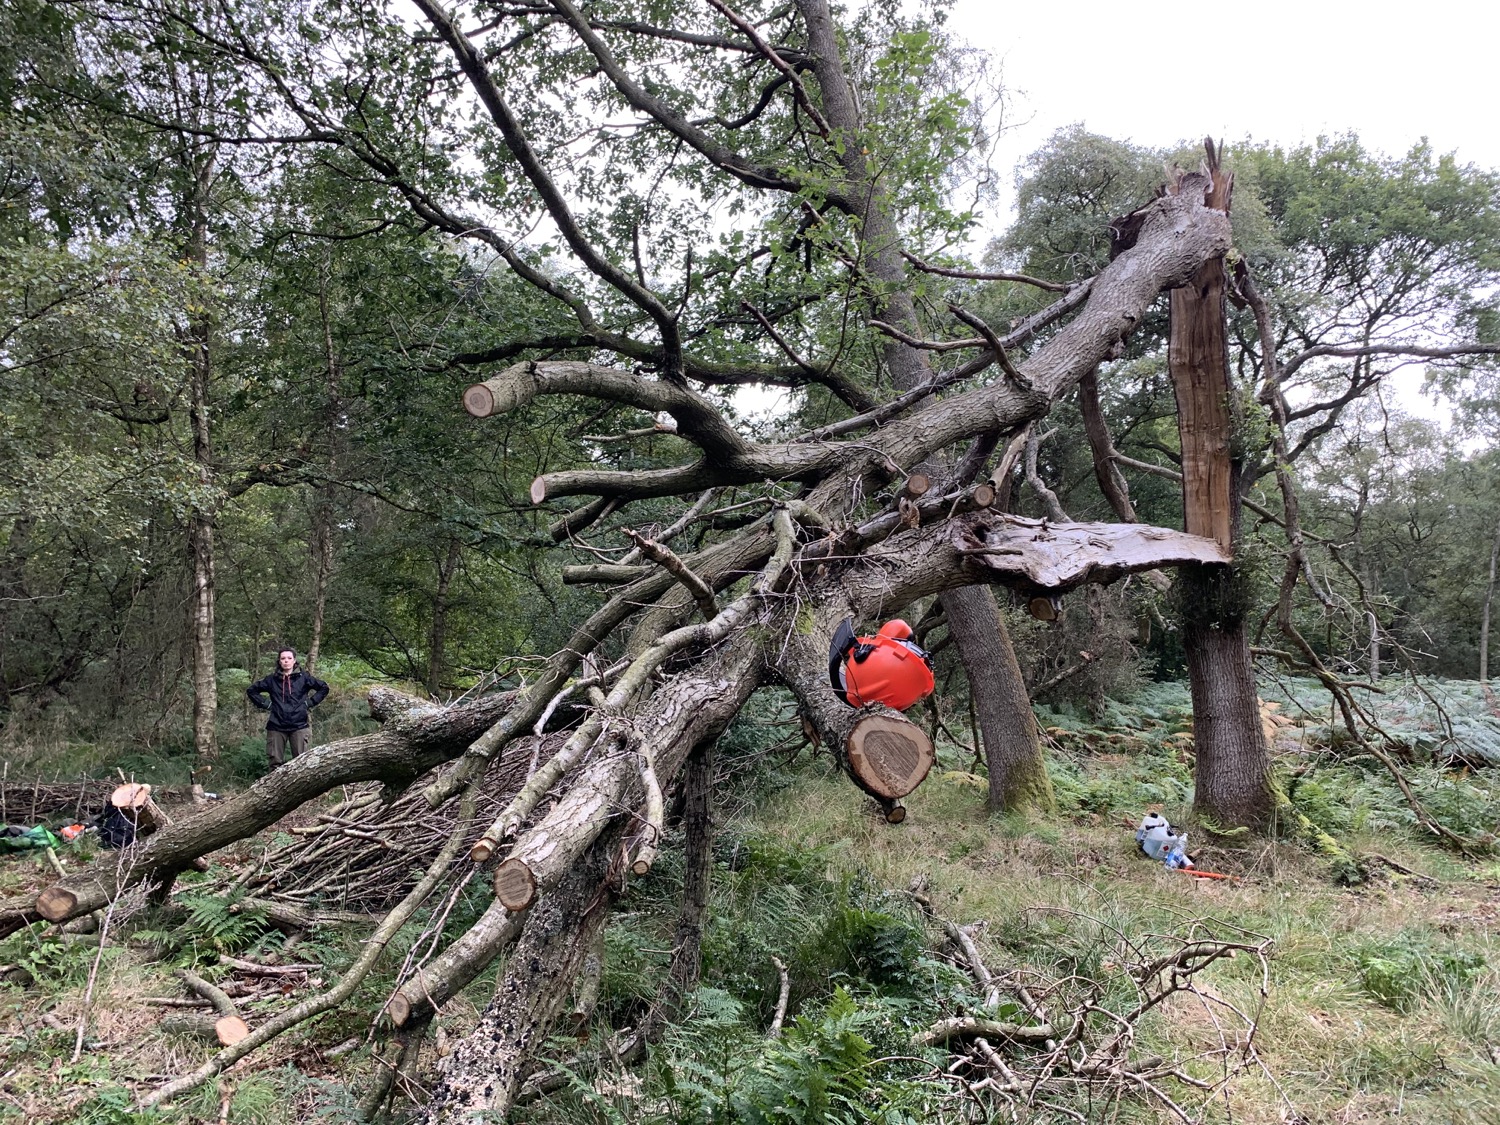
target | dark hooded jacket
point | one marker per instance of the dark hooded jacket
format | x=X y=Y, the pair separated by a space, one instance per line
x=287 y=696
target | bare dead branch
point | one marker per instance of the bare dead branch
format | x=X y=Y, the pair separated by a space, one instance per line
x=664 y=557
x=973 y=275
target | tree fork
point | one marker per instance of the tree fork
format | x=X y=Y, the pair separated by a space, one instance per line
x=530 y=704
x=625 y=690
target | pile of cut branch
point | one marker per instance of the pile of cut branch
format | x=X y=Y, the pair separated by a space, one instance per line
x=364 y=854
x=34 y=800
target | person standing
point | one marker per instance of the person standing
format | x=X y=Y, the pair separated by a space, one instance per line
x=288 y=694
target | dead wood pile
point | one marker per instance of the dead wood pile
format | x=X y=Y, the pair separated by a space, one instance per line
x=1058 y=1037
x=64 y=801
x=363 y=854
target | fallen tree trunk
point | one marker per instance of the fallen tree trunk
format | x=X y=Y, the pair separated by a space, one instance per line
x=483 y=1074
x=416 y=737
x=568 y=853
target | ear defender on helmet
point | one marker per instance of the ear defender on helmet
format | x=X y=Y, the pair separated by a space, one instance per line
x=838 y=650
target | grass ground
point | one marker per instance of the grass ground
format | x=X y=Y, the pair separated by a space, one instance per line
x=1384 y=999
x=1382 y=1002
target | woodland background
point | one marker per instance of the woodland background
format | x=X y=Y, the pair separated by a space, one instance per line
x=231 y=361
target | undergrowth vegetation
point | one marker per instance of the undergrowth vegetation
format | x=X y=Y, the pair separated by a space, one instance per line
x=61 y=740
x=1381 y=1001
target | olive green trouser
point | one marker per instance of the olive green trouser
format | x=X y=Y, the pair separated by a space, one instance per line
x=284 y=745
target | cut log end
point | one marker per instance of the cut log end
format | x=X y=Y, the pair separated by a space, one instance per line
x=133 y=795
x=134 y=800
x=230 y=1030
x=895 y=812
x=479 y=401
x=889 y=755
x=983 y=495
x=538 y=490
x=56 y=904
x=399 y=1009
x=515 y=885
x=916 y=485
x=1044 y=609
x=482 y=850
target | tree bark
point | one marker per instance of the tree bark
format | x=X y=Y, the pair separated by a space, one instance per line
x=1232 y=771
x=1017 y=774
x=482 y=1076
x=324 y=522
x=12 y=593
x=437 y=638
x=697 y=881
x=1111 y=481
x=453 y=970
x=201 y=517
x=1484 y=617
x=322 y=549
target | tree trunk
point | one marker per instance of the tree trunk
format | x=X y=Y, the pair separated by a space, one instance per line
x=205 y=682
x=1111 y=481
x=482 y=1076
x=697 y=880
x=1232 y=771
x=1012 y=751
x=322 y=546
x=323 y=515
x=1484 y=617
x=201 y=519
x=996 y=683
x=12 y=593
x=437 y=638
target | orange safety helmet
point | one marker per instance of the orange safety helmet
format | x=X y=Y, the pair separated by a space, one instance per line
x=896 y=629
x=887 y=668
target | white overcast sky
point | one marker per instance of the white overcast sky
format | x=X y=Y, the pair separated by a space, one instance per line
x=1274 y=70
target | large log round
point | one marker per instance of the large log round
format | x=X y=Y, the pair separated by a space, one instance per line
x=134 y=800
x=888 y=754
